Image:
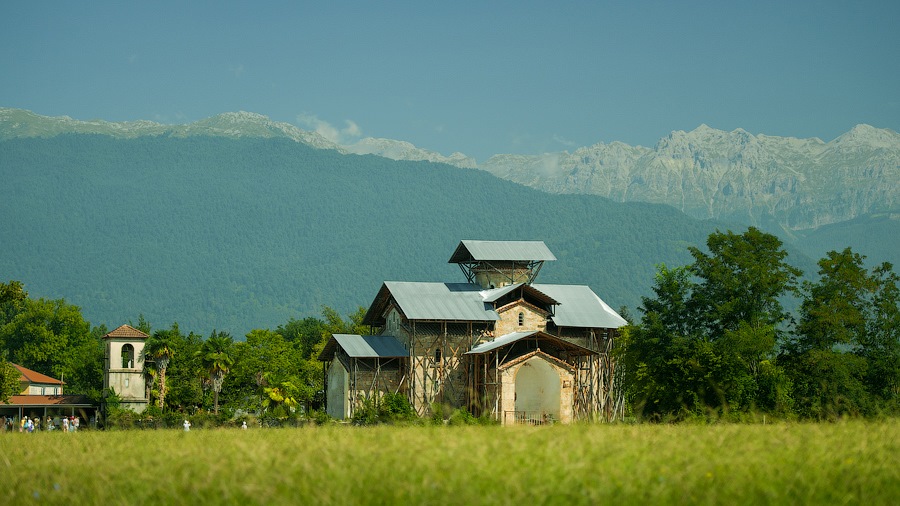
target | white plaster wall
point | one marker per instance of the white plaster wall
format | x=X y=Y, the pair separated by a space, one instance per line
x=558 y=392
x=128 y=382
x=338 y=391
x=538 y=388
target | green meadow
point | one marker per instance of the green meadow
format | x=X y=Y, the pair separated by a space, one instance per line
x=843 y=463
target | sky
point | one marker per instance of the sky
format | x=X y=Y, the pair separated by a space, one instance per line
x=478 y=77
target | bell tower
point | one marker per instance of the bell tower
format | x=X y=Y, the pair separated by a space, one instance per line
x=123 y=369
x=494 y=264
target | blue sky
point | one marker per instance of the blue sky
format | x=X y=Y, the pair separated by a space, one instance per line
x=476 y=77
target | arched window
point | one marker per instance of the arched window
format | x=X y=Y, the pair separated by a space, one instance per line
x=127 y=356
x=521 y=319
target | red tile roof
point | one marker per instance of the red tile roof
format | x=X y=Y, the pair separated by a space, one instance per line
x=127 y=331
x=35 y=377
x=47 y=400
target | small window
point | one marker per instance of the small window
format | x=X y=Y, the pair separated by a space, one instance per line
x=437 y=355
x=127 y=356
x=126 y=382
x=521 y=319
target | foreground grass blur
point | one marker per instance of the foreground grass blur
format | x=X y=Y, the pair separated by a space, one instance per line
x=846 y=463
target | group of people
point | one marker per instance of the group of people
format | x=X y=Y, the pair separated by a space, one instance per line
x=31 y=424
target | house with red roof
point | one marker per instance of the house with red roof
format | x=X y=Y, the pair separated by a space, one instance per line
x=41 y=396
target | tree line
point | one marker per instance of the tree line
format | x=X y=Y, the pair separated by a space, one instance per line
x=274 y=373
x=713 y=341
x=716 y=341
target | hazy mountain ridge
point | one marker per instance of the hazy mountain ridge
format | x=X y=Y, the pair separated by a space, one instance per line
x=782 y=184
x=402 y=150
x=15 y=123
x=708 y=173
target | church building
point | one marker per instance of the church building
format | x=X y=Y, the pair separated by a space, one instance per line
x=498 y=345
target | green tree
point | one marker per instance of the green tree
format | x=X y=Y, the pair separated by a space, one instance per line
x=280 y=395
x=186 y=374
x=707 y=339
x=41 y=334
x=742 y=281
x=160 y=348
x=9 y=380
x=215 y=356
x=263 y=352
x=844 y=356
x=880 y=345
x=12 y=301
x=306 y=333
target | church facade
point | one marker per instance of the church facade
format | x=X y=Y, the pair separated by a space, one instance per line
x=498 y=345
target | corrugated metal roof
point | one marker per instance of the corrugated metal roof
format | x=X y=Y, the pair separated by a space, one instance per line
x=579 y=306
x=522 y=251
x=510 y=338
x=441 y=301
x=500 y=341
x=358 y=346
x=495 y=293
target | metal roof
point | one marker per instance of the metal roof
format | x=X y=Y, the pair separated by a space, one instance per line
x=500 y=341
x=521 y=251
x=441 y=301
x=579 y=306
x=358 y=346
x=494 y=294
x=536 y=334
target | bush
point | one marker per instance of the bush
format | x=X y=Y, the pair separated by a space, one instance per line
x=391 y=408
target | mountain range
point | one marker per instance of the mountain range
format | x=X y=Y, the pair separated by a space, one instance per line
x=793 y=184
x=782 y=183
x=239 y=222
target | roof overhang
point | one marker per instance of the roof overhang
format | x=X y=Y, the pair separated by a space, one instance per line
x=514 y=337
x=357 y=346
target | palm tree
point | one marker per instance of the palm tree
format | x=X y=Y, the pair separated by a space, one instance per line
x=160 y=349
x=280 y=394
x=215 y=355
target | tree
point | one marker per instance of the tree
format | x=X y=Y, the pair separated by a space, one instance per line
x=845 y=355
x=707 y=339
x=42 y=332
x=263 y=352
x=215 y=355
x=12 y=300
x=9 y=380
x=880 y=345
x=160 y=349
x=742 y=280
x=185 y=374
x=280 y=395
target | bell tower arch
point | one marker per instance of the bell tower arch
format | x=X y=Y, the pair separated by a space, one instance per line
x=123 y=367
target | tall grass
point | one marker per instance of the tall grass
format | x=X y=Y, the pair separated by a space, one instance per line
x=848 y=463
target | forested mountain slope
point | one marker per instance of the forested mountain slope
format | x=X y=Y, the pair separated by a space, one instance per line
x=242 y=233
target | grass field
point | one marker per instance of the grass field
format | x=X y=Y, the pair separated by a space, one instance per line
x=846 y=463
